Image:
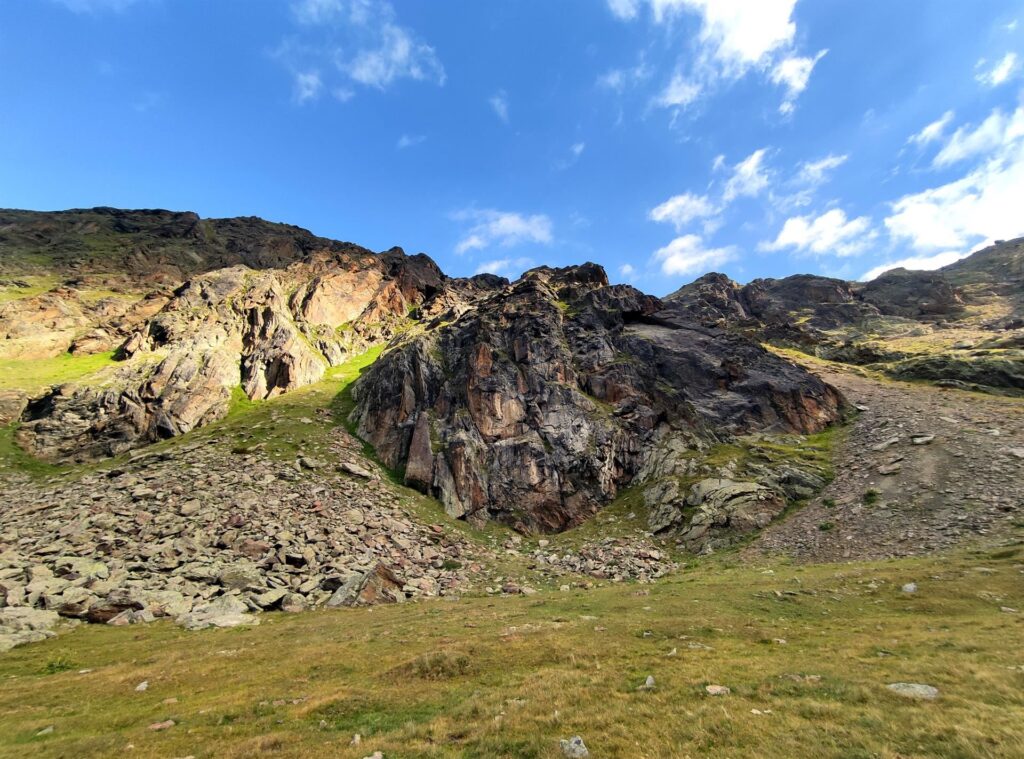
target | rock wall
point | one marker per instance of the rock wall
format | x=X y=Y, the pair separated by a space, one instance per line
x=535 y=407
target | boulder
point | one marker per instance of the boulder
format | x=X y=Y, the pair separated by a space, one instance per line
x=223 y=611
x=377 y=585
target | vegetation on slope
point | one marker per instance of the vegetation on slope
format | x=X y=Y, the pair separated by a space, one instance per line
x=806 y=651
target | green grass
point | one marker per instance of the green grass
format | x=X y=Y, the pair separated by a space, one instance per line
x=509 y=677
x=36 y=286
x=32 y=375
x=14 y=459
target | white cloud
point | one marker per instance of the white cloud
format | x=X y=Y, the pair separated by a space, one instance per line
x=916 y=263
x=996 y=131
x=504 y=228
x=735 y=37
x=816 y=172
x=680 y=91
x=504 y=266
x=619 y=79
x=748 y=178
x=680 y=210
x=627 y=270
x=738 y=34
x=499 y=102
x=983 y=205
x=933 y=131
x=410 y=140
x=1006 y=68
x=831 y=233
x=318 y=11
x=307 y=86
x=577 y=148
x=398 y=55
x=624 y=9
x=361 y=43
x=687 y=255
x=794 y=72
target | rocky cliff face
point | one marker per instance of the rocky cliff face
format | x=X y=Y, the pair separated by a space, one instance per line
x=537 y=405
x=263 y=331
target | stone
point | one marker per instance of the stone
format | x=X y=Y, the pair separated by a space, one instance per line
x=914 y=690
x=922 y=439
x=648 y=684
x=271 y=598
x=717 y=690
x=166 y=724
x=355 y=470
x=574 y=748
x=223 y=611
x=241 y=576
x=143 y=686
x=377 y=585
x=910 y=587
x=20 y=625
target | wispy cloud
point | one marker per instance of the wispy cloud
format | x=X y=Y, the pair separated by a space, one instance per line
x=307 y=86
x=351 y=44
x=817 y=172
x=499 y=104
x=1005 y=69
x=794 y=72
x=409 y=141
x=749 y=177
x=934 y=130
x=996 y=131
x=490 y=227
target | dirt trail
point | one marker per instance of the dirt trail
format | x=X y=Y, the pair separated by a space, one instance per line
x=966 y=483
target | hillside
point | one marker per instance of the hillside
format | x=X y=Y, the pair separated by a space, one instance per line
x=488 y=510
x=961 y=326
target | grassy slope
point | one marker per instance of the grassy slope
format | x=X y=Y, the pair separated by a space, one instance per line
x=509 y=677
x=33 y=375
x=487 y=677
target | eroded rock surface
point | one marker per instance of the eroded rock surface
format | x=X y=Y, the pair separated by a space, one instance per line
x=537 y=405
x=263 y=332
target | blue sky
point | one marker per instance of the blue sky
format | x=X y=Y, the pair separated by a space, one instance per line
x=660 y=138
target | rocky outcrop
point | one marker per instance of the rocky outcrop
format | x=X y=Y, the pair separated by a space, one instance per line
x=263 y=332
x=537 y=405
x=913 y=294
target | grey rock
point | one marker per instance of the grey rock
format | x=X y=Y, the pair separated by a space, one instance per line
x=914 y=690
x=574 y=748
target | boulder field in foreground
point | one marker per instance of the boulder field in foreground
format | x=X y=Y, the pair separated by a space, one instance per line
x=537 y=405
